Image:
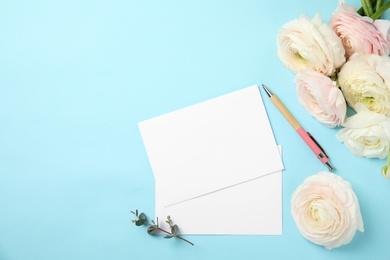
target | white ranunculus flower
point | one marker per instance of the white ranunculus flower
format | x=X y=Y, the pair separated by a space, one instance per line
x=309 y=43
x=366 y=79
x=326 y=210
x=366 y=133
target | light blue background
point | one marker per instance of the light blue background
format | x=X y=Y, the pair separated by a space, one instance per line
x=77 y=76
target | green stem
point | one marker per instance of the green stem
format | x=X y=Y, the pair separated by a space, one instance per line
x=367 y=7
x=380 y=11
x=361 y=10
x=162 y=230
x=379 y=3
x=169 y=233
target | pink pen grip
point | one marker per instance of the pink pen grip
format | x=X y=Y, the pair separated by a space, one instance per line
x=313 y=146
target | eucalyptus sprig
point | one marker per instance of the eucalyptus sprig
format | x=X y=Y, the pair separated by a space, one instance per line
x=153 y=228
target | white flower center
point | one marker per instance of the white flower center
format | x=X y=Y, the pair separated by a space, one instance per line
x=314 y=214
x=323 y=214
x=371 y=141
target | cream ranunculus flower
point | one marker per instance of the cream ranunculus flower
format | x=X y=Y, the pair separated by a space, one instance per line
x=326 y=210
x=366 y=79
x=366 y=133
x=320 y=96
x=310 y=43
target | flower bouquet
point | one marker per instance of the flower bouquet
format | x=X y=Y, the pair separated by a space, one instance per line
x=338 y=64
x=344 y=63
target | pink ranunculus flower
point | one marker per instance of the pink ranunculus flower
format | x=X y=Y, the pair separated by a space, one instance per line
x=360 y=34
x=320 y=96
x=310 y=43
x=326 y=210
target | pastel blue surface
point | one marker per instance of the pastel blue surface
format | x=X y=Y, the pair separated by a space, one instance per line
x=77 y=76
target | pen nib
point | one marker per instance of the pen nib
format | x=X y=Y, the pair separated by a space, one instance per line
x=330 y=166
x=269 y=93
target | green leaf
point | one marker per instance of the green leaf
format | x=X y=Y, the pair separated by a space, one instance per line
x=168 y=236
x=142 y=216
x=174 y=229
x=386 y=168
x=152 y=230
x=140 y=222
x=386 y=171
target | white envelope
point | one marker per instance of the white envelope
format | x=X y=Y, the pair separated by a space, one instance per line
x=250 y=208
x=201 y=153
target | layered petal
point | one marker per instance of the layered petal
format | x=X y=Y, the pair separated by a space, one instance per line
x=320 y=96
x=326 y=210
x=309 y=43
x=360 y=34
x=366 y=134
x=366 y=79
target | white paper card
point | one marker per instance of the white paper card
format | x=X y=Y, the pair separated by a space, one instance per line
x=210 y=146
x=250 y=208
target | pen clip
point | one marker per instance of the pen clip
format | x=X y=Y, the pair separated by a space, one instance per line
x=314 y=140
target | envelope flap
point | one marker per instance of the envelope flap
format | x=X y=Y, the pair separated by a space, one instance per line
x=211 y=145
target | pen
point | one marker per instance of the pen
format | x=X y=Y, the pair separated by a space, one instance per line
x=306 y=136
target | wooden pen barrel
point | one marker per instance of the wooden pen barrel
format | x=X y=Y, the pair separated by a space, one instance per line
x=294 y=123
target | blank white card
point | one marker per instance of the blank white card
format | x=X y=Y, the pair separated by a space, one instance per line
x=206 y=148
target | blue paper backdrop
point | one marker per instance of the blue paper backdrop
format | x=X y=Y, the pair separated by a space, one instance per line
x=77 y=76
